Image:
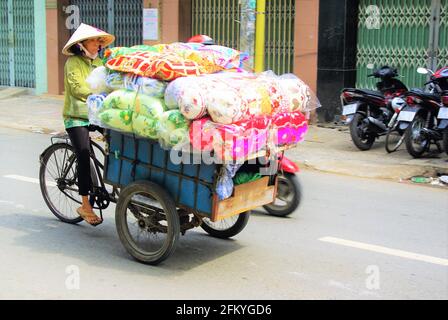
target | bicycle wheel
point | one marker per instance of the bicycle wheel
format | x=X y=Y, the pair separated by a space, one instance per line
x=58 y=181
x=147 y=222
x=394 y=139
x=226 y=228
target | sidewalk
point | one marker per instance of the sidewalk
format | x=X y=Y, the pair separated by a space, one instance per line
x=324 y=149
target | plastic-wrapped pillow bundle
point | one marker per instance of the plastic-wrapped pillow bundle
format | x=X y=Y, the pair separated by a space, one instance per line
x=147 y=112
x=187 y=95
x=111 y=53
x=225 y=57
x=95 y=105
x=115 y=81
x=234 y=141
x=97 y=80
x=148 y=86
x=173 y=129
x=224 y=103
x=162 y=66
x=121 y=99
x=116 y=119
x=144 y=126
x=299 y=95
x=289 y=128
x=148 y=106
x=224 y=184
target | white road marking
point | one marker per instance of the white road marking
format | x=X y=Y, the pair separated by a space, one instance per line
x=28 y=179
x=385 y=250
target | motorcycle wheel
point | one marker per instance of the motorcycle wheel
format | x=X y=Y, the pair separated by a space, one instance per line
x=289 y=195
x=361 y=140
x=394 y=139
x=445 y=140
x=416 y=143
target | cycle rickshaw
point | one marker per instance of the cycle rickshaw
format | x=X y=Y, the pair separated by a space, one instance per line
x=157 y=199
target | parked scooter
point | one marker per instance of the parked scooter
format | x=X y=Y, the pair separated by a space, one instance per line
x=419 y=117
x=289 y=191
x=369 y=112
x=395 y=135
x=443 y=120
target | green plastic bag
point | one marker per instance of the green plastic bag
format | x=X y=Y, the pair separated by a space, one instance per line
x=245 y=177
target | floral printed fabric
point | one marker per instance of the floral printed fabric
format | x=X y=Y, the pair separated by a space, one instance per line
x=230 y=97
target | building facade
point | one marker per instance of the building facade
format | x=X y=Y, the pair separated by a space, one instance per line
x=330 y=44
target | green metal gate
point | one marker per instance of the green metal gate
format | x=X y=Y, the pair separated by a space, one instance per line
x=442 y=52
x=17 y=50
x=220 y=19
x=403 y=33
x=4 y=47
x=123 y=18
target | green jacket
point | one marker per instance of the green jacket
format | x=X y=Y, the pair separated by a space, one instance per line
x=76 y=71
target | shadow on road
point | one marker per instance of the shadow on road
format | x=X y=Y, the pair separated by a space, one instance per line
x=101 y=246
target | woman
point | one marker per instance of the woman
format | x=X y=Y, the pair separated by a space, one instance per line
x=83 y=48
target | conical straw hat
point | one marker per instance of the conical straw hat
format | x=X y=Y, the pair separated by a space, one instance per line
x=85 y=32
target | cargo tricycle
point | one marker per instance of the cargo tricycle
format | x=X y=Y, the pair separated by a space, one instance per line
x=158 y=194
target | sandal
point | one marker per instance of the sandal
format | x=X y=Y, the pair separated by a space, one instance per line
x=89 y=217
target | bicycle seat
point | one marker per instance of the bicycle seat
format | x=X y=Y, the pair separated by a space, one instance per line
x=61 y=137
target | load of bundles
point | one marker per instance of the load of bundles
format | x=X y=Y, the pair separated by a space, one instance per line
x=196 y=97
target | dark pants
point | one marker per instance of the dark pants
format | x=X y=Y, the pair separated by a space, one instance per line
x=79 y=137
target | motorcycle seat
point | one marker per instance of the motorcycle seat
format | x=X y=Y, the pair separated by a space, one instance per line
x=366 y=92
x=425 y=95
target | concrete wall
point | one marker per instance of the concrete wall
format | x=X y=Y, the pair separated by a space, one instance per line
x=306 y=41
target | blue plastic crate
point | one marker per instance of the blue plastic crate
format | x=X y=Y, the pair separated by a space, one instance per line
x=132 y=159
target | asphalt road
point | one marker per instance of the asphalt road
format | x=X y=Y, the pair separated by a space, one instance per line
x=352 y=238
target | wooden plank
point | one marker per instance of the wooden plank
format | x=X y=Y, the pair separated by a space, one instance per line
x=246 y=197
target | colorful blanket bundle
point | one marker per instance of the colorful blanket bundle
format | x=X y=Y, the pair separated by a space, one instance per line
x=129 y=111
x=171 y=61
x=189 y=94
x=230 y=97
x=239 y=140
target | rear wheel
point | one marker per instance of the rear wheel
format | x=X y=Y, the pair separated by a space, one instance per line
x=445 y=140
x=147 y=222
x=289 y=195
x=226 y=228
x=417 y=143
x=359 y=131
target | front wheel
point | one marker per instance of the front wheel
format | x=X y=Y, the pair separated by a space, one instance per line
x=417 y=143
x=359 y=131
x=226 y=228
x=58 y=179
x=147 y=222
x=289 y=196
x=394 y=139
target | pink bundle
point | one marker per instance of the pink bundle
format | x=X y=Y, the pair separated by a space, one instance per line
x=289 y=128
x=230 y=141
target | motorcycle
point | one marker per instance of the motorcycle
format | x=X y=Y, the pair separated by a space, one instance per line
x=419 y=116
x=289 y=191
x=394 y=135
x=443 y=120
x=369 y=112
